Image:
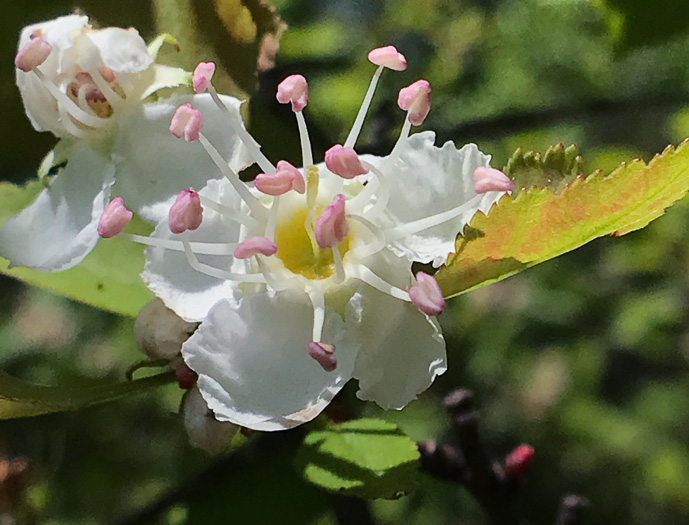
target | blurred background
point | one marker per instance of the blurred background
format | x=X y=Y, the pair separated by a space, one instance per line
x=585 y=357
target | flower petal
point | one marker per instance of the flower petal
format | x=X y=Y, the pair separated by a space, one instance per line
x=59 y=228
x=39 y=104
x=122 y=50
x=149 y=182
x=167 y=273
x=426 y=181
x=402 y=352
x=253 y=362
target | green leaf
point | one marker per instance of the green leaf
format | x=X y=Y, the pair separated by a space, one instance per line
x=541 y=223
x=555 y=169
x=108 y=278
x=369 y=458
x=22 y=399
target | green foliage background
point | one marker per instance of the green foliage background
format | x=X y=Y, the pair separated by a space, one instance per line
x=585 y=357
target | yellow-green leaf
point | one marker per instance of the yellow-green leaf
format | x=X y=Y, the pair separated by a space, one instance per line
x=541 y=223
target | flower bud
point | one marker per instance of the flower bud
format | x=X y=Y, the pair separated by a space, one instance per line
x=114 y=219
x=416 y=99
x=186 y=121
x=33 y=54
x=256 y=245
x=489 y=179
x=186 y=213
x=324 y=355
x=388 y=57
x=293 y=89
x=518 y=462
x=332 y=226
x=426 y=295
x=159 y=332
x=202 y=76
x=203 y=430
x=344 y=162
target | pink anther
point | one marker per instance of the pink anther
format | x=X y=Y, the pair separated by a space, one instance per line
x=186 y=213
x=293 y=89
x=389 y=57
x=324 y=355
x=202 y=76
x=186 y=121
x=285 y=178
x=332 y=226
x=426 y=294
x=256 y=245
x=114 y=219
x=416 y=99
x=344 y=162
x=33 y=54
x=489 y=179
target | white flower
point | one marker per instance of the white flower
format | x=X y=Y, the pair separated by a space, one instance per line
x=88 y=87
x=299 y=291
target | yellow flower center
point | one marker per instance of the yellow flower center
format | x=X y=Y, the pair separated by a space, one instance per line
x=297 y=252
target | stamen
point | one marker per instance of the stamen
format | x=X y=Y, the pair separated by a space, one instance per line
x=426 y=294
x=332 y=226
x=295 y=90
x=97 y=76
x=230 y=213
x=306 y=154
x=273 y=218
x=424 y=223
x=69 y=105
x=416 y=99
x=489 y=179
x=253 y=147
x=33 y=54
x=255 y=245
x=286 y=178
x=389 y=57
x=370 y=278
x=361 y=116
x=186 y=122
x=324 y=355
x=383 y=57
x=318 y=302
x=114 y=219
x=344 y=162
x=217 y=272
x=202 y=76
x=200 y=248
x=381 y=185
x=270 y=281
x=186 y=213
x=339 y=267
x=369 y=248
x=68 y=123
x=256 y=207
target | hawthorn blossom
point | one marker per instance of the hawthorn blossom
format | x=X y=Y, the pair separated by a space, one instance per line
x=297 y=291
x=96 y=91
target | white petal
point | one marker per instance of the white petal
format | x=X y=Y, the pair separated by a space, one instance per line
x=402 y=350
x=59 y=228
x=39 y=104
x=153 y=166
x=401 y=354
x=167 y=273
x=426 y=181
x=253 y=363
x=122 y=50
